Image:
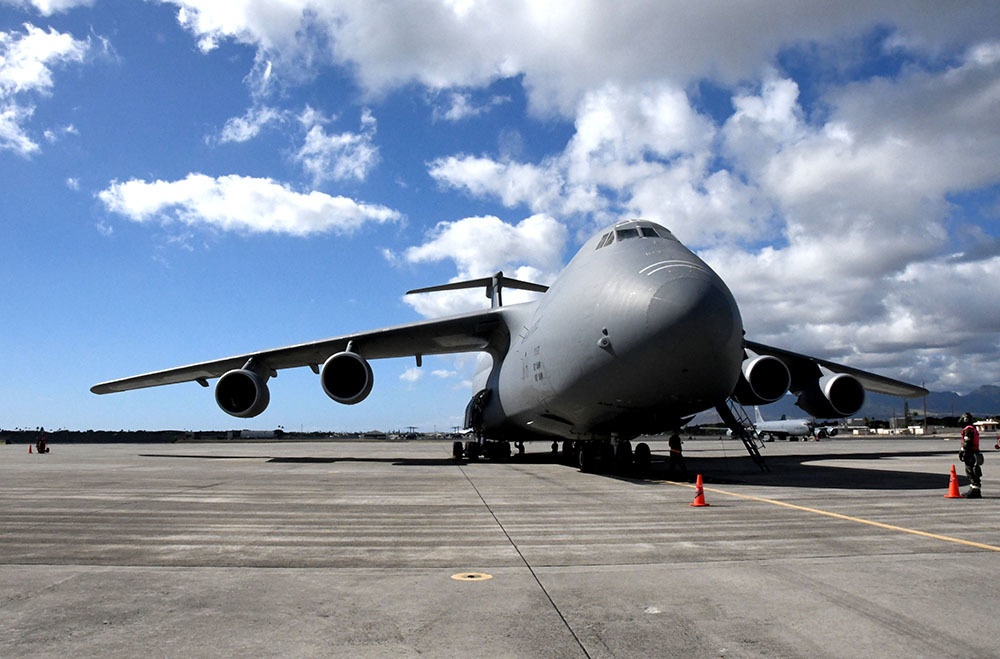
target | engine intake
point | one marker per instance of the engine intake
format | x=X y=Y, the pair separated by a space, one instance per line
x=832 y=395
x=764 y=379
x=242 y=393
x=347 y=378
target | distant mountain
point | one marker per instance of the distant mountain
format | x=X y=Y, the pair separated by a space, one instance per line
x=983 y=402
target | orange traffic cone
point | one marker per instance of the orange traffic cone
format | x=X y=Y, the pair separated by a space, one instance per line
x=953 y=492
x=699 y=493
x=29 y=449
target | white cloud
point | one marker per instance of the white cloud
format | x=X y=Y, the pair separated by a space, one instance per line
x=482 y=245
x=26 y=63
x=636 y=151
x=247 y=127
x=241 y=204
x=820 y=205
x=27 y=58
x=865 y=274
x=340 y=156
x=48 y=7
x=12 y=133
x=459 y=106
x=52 y=135
x=269 y=25
x=540 y=188
x=531 y=250
x=845 y=203
x=414 y=374
x=564 y=50
x=411 y=375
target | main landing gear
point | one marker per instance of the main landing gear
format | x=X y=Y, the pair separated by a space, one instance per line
x=489 y=449
x=598 y=456
x=601 y=456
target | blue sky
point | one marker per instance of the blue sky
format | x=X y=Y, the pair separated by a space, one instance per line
x=186 y=179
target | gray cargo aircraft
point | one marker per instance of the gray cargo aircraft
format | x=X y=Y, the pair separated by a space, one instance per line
x=634 y=337
x=783 y=427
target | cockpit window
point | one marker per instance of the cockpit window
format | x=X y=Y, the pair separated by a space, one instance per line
x=635 y=229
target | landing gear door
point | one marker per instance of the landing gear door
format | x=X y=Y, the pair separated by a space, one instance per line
x=474 y=411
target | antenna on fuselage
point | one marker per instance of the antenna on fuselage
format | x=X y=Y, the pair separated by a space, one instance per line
x=494 y=287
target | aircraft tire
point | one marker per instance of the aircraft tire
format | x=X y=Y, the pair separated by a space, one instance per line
x=607 y=461
x=587 y=458
x=623 y=457
x=643 y=459
x=457 y=450
x=498 y=451
x=570 y=453
x=472 y=450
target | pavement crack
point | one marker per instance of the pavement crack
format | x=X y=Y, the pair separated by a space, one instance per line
x=531 y=570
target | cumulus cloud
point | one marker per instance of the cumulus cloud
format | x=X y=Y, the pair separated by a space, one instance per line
x=239 y=203
x=530 y=250
x=844 y=203
x=562 y=50
x=826 y=207
x=482 y=245
x=864 y=199
x=415 y=374
x=411 y=375
x=48 y=7
x=635 y=151
x=26 y=66
x=540 y=188
x=248 y=126
x=341 y=156
x=458 y=106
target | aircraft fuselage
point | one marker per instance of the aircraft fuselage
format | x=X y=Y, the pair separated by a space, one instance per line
x=635 y=334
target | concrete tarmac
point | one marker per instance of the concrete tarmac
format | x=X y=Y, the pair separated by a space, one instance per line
x=847 y=548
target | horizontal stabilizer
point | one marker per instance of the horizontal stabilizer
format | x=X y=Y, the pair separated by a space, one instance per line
x=493 y=286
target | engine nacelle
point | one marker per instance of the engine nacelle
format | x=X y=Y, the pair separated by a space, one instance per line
x=242 y=393
x=832 y=395
x=764 y=379
x=347 y=378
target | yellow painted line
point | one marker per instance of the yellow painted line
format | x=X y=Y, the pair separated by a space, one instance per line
x=848 y=518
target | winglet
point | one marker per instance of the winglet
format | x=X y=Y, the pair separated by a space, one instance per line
x=493 y=285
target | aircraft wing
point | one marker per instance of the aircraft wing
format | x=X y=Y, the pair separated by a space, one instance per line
x=466 y=333
x=802 y=367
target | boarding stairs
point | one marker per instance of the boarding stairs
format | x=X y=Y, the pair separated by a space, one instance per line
x=737 y=420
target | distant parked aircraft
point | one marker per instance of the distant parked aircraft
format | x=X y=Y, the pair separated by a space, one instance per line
x=783 y=428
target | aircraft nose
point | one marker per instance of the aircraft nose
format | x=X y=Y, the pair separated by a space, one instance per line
x=695 y=319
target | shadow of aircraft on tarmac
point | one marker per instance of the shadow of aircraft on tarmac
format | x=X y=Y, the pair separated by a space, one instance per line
x=821 y=470
x=808 y=470
x=400 y=462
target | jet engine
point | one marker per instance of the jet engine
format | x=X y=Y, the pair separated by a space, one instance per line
x=832 y=395
x=242 y=393
x=347 y=378
x=763 y=379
